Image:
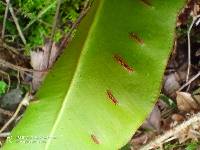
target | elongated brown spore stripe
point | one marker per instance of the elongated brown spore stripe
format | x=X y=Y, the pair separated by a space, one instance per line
x=111 y=97
x=123 y=63
x=146 y=2
x=94 y=139
x=136 y=38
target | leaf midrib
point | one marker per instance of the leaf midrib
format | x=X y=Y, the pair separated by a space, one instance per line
x=62 y=108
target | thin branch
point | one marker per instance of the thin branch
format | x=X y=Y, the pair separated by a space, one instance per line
x=6 y=112
x=53 y=30
x=5 y=18
x=14 y=50
x=18 y=79
x=16 y=22
x=14 y=67
x=190 y=81
x=24 y=102
x=170 y=134
x=74 y=26
x=45 y=23
x=189 y=46
x=17 y=68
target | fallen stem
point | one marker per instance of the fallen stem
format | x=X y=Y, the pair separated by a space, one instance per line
x=190 y=81
x=6 y=112
x=189 y=47
x=18 y=68
x=12 y=49
x=4 y=19
x=74 y=26
x=16 y=22
x=53 y=30
x=170 y=134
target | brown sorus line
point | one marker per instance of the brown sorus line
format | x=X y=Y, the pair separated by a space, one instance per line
x=123 y=63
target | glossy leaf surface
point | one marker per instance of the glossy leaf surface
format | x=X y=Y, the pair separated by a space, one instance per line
x=106 y=82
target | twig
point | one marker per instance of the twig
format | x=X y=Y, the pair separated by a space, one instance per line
x=6 y=112
x=5 y=18
x=45 y=23
x=24 y=102
x=14 y=67
x=190 y=81
x=53 y=30
x=18 y=79
x=18 y=68
x=74 y=26
x=189 y=46
x=16 y=22
x=14 y=50
x=178 y=129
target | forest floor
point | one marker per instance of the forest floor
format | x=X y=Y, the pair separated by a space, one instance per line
x=179 y=101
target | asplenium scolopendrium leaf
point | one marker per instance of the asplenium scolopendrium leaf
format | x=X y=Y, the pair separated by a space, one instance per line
x=106 y=82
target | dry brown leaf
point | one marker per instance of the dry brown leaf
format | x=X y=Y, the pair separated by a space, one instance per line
x=185 y=102
x=177 y=117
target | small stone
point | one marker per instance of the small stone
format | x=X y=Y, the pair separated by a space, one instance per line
x=11 y=99
x=171 y=84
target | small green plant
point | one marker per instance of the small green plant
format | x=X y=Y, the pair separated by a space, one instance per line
x=3 y=87
x=192 y=146
x=188 y=145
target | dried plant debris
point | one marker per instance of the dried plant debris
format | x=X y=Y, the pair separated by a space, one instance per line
x=41 y=63
x=187 y=130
